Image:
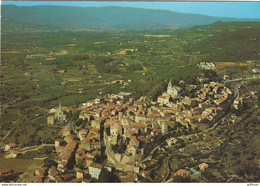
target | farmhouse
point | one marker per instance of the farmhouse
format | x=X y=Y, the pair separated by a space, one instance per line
x=14 y=154
x=182 y=172
x=65 y=131
x=207 y=65
x=6 y=172
x=171 y=141
x=10 y=146
x=203 y=166
x=238 y=103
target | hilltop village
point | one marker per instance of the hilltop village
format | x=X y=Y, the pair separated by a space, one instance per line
x=117 y=138
x=156 y=105
x=124 y=131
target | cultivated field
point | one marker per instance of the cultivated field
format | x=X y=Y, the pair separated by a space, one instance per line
x=20 y=165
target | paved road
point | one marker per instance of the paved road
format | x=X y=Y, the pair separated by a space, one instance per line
x=16 y=122
x=164 y=179
x=109 y=151
x=151 y=153
x=242 y=79
x=14 y=125
x=36 y=147
x=32 y=148
x=236 y=94
x=167 y=165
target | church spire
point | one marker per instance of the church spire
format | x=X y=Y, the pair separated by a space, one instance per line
x=170 y=83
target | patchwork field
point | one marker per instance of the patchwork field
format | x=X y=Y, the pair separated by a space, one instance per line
x=20 y=165
x=10 y=52
x=231 y=64
x=72 y=79
x=42 y=69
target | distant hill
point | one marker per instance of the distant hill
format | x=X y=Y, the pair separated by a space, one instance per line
x=232 y=41
x=13 y=25
x=105 y=18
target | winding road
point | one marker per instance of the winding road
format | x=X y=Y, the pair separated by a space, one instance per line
x=167 y=165
x=242 y=79
x=36 y=147
x=108 y=150
x=236 y=94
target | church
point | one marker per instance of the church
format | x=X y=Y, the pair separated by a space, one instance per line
x=172 y=90
x=59 y=115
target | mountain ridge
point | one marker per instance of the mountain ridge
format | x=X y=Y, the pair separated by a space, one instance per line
x=127 y=18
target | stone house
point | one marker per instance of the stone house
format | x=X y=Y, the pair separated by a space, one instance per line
x=95 y=170
x=203 y=166
x=163 y=99
x=182 y=172
x=65 y=131
x=14 y=154
x=10 y=146
x=50 y=120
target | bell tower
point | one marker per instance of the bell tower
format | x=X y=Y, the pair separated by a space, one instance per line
x=169 y=88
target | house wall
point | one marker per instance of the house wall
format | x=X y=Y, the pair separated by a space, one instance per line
x=94 y=172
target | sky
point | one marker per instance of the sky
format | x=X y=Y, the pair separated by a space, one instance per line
x=219 y=9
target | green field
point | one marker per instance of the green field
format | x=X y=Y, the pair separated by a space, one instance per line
x=42 y=68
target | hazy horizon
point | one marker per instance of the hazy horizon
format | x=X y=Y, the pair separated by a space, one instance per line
x=217 y=9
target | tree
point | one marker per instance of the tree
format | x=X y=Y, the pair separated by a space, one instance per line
x=134 y=67
x=80 y=164
x=120 y=147
x=107 y=177
x=180 y=179
x=86 y=65
x=48 y=163
x=79 y=122
x=239 y=172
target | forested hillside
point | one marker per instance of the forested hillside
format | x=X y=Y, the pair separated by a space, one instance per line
x=228 y=41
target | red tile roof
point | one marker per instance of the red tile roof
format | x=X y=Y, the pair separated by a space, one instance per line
x=66 y=176
x=15 y=152
x=64 y=129
x=96 y=165
x=71 y=136
x=6 y=170
x=80 y=180
x=11 y=144
x=59 y=140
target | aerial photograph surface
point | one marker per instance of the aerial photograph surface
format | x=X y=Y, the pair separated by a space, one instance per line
x=130 y=92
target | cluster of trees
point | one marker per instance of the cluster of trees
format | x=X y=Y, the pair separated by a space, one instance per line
x=212 y=75
x=237 y=45
x=48 y=163
x=108 y=177
x=80 y=57
x=105 y=65
x=16 y=60
x=134 y=67
x=120 y=147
